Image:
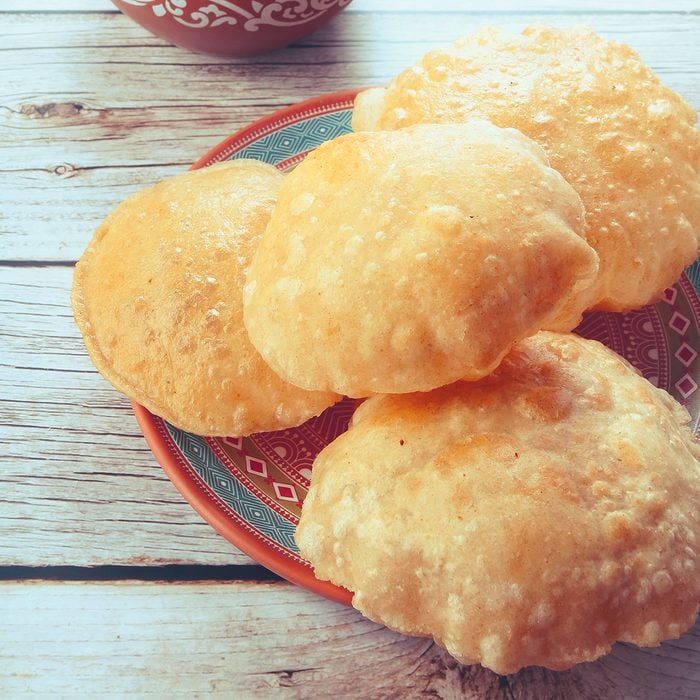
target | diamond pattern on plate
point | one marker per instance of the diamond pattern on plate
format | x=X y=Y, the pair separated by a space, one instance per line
x=670 y=295
x=686 y=386
x=255 y=466
x=224 y=486
x=286 y=492
x=236 y=442
x=297 y=138
x=679 y=323
x=685 y=354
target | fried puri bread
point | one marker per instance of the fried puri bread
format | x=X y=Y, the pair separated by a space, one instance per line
x=401 y=261
x=534 y=517
x=158 y=298
x=626 y=143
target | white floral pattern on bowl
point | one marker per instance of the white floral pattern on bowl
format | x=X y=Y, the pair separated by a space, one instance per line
x=282 y=13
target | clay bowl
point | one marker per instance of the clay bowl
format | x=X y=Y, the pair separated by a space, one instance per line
x=231 y=27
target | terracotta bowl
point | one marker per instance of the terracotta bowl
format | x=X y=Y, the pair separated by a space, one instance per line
x=231 y=27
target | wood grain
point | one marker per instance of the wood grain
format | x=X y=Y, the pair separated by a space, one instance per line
x=249 y=640
x=108 y=109
x=78 y=483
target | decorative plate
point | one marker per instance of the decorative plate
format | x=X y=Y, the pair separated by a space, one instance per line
x=251 y=489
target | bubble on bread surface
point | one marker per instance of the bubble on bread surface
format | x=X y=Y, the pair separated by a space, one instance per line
x=626 y=143
x=522 y=519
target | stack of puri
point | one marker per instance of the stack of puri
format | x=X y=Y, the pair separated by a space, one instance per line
x=518 y=493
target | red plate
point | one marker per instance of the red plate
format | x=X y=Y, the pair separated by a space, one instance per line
x=251 y=489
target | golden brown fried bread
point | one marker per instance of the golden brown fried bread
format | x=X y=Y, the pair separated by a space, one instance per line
x=158 y=298
x=530 y=518
x=401 y=261
x=626 y=142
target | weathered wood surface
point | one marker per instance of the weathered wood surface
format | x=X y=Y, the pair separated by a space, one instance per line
x=91 y=109
x=78 y=483
x=250 y=640
x=105 y=108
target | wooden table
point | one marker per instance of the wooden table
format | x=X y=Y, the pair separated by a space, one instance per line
x=111 y=584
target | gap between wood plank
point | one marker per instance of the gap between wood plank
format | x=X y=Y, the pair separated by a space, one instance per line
x=168 y=573
x=37 y=263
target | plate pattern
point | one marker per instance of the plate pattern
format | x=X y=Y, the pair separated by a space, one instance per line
x=660 y=340
x=285 y=141
x=227 y=491
x=256 y=485
x=259 y=481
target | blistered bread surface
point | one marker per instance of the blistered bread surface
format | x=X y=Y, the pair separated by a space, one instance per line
x=158 y=298
x=627 y=143
x=534 y=517
x=401 y=261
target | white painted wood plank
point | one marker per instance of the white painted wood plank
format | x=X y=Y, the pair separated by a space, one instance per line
x=78 y=483
x=517 y=6
x=249 y=640
x=57 y=6
x=108 y=109
x=399 y=6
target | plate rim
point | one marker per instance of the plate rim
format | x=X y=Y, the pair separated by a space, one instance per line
x=245 y=541
x=290 y=114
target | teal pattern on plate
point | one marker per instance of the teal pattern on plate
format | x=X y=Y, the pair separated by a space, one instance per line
x=227 y=488
x=297 y=138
